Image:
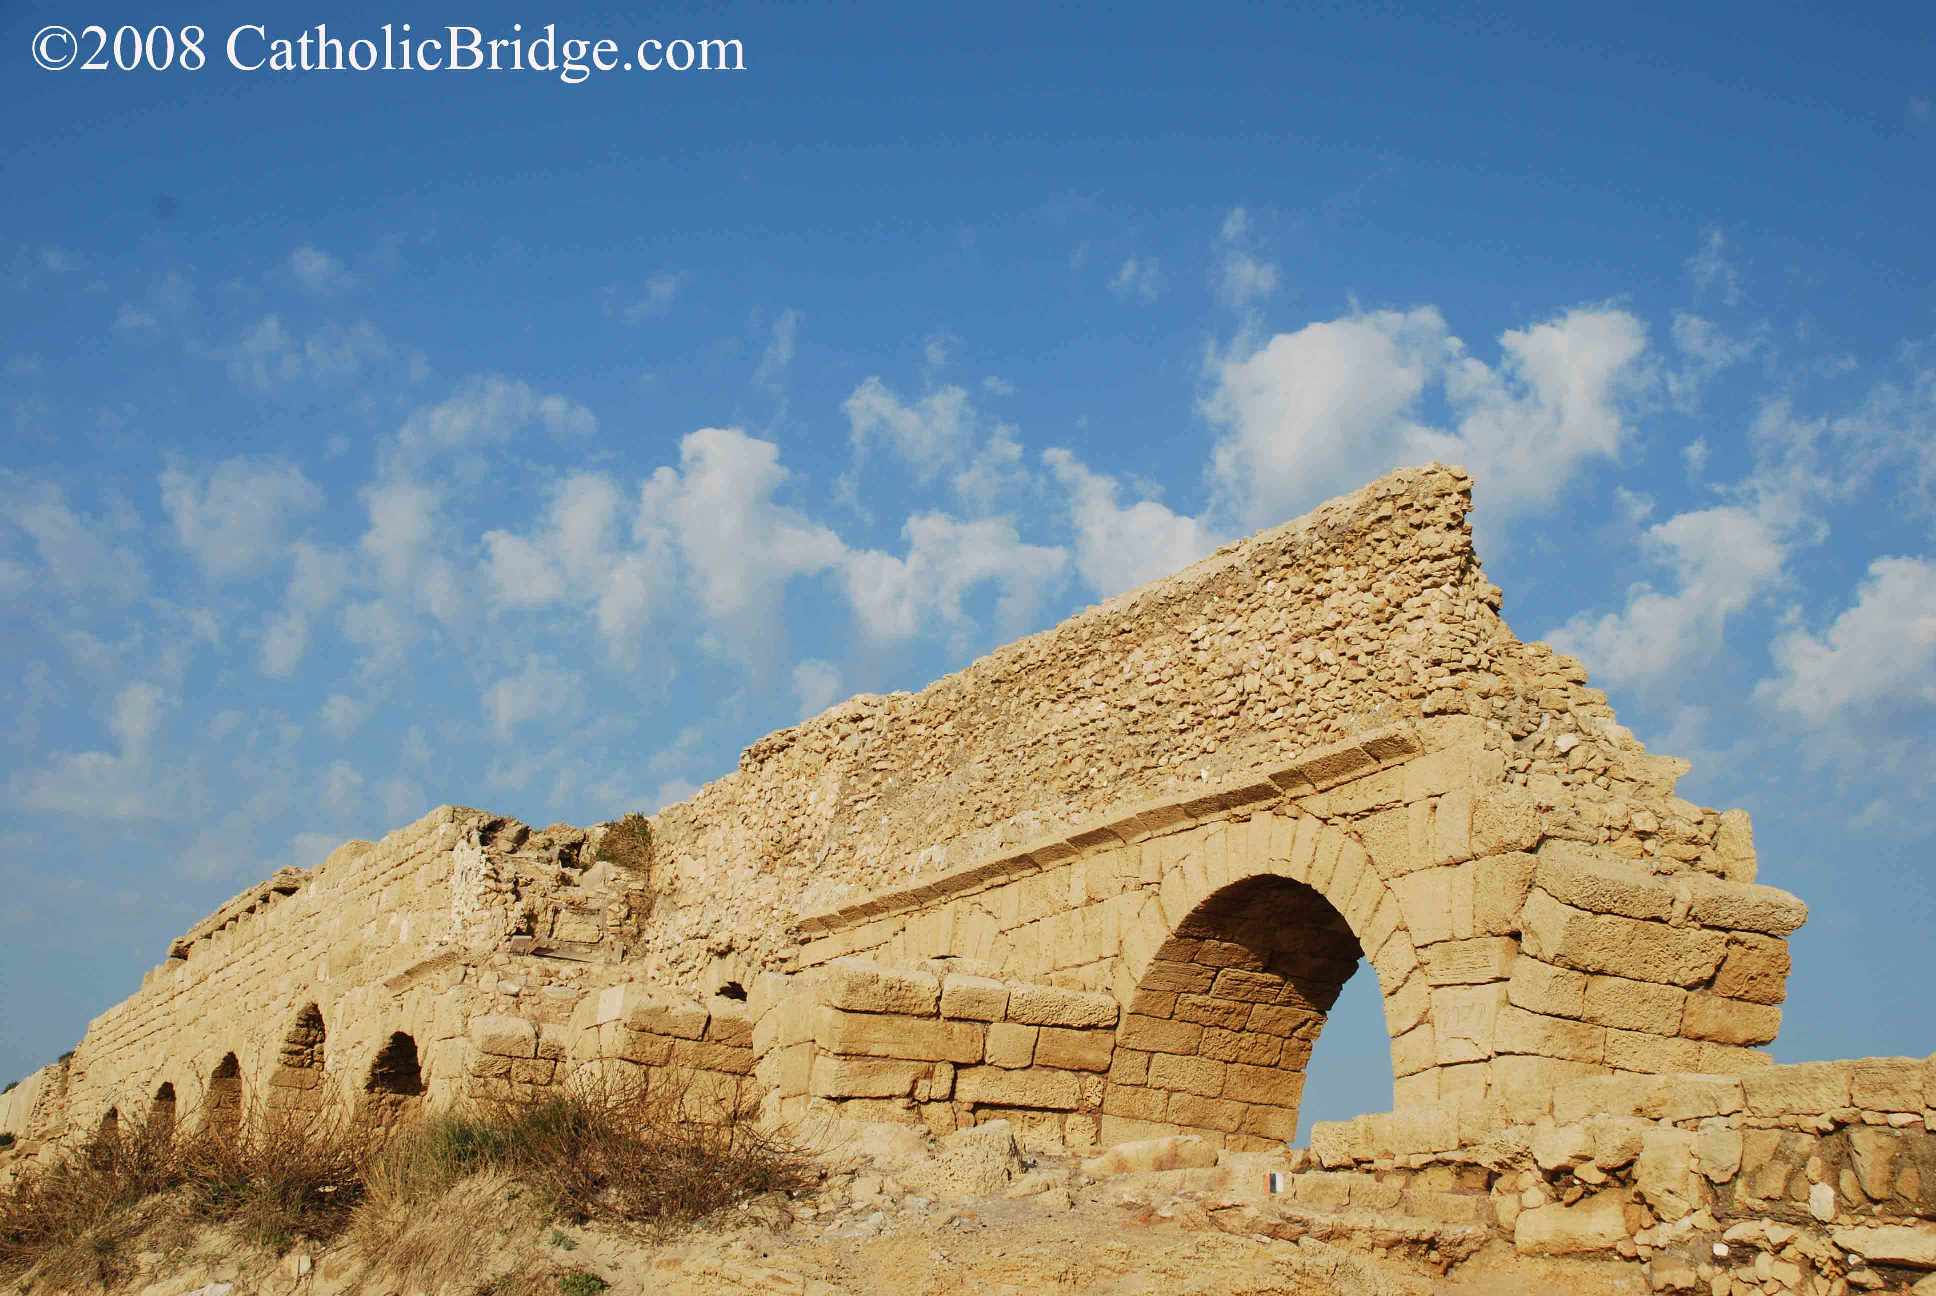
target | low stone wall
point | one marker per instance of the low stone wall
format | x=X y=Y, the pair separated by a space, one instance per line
x=931 y=1044
x=1787 y=1179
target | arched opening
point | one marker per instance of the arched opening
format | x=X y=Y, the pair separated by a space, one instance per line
x=395 y=1084
x=1220 y=1030
x=110 y=1126
x=161 y=1112
x=297 y=1082
x=222 y=1107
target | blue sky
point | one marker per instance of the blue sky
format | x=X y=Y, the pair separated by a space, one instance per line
x=375 y=441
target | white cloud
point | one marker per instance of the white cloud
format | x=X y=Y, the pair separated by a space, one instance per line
x=1721 y=558
x=122 y=784
x=342 y=786
x=778 y=357
x=1712 y=271
x=486 y=411
x=929 y=434
x=1138 y=279
x=1877 y=657
x=1320 y=411
x=268 y=357
x=541 y=690
x=739 y=545
x=1241 y=277
x=77 y=554
x=1118 y=546
x=342 y=715
x=655 y=298
x=816 y=686
x=897 y=598
x=318 y=271
x=1705 y=351
x=578 y=557
x=233 y=520
x=317 y=578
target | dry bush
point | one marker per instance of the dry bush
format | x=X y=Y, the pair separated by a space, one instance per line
x=77 y=1218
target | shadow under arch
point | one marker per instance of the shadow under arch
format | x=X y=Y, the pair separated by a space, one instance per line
x=394 y=1086
x=1221 y=1027
x=161 y=1109
x=222 y=1105
x=296 y=1084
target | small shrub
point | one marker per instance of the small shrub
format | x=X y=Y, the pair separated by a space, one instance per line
x=563 y=1240
x=628 y=844
x=581 y=1282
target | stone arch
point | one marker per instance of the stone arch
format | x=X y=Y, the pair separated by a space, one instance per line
x=296 y=1084
x=1227 y=980
x=222 y=1104
x=394 y=1086
x=161 y=1110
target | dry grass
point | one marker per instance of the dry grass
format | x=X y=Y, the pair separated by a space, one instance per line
x=417 y=1201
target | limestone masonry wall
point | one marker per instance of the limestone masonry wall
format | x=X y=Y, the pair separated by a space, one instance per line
x=1106 y=883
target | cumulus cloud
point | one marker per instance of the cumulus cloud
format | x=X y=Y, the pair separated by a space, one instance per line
x=1120 y=546
x=540 y=690
x=77 y=554
x=268 y=357
x=234 y=519
x=1241 y=277
x=1138 y=279
x=897 y=597
x=1713 y=272
x=485 y=411
x=1319 y=411
x=929 y=434
x=120 y=784
x=1721 y=560
x=816 y=686
x=317 y=271
x=580 y=555
x=654 y=298
x=738 y=543
x=1876 y=660
x=778 y=356
x=342 y=715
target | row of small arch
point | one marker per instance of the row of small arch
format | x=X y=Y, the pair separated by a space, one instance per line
x=395 y=1073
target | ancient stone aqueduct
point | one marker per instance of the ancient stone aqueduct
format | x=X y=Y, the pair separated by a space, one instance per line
x=1106 y=882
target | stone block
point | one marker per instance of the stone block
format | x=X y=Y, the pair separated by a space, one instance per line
x=1469 y=962
x=1404 y=1009
x=1913 y=1246
x=1077 y=1050
x=1011 y=1045
x=923 y=1039
x=1627 y=947
x=1177 y=977
x=1811 y=1088
x=1207 y=1010
x=1255 y=1084
x=1196 y=1075
x=1425 y=898
x=1601 y=882
x=1744 y=906
x=1729 y=1021
x=1519 y=1031
x=1415 y=1050
x=1755 y=969
x=846 y=1077
x=1542 y=988
x=1593 y=1224
x=1734 y=846
x=1038 y=1088
x=663 y=1017
x=1463 y=1021
x=1250 y=1047
x=973 y=998
x=1500 y=884
x=1633 y=1005
x=1247 y=987
x=1159 y=1035
x=1128 y=1066
x=1136 y=1102
x=1505 y=820
x=1144 y=1156
x=1206 y=1113
x=1887 y=1084
x=1665 y=1173
x=503 y=1036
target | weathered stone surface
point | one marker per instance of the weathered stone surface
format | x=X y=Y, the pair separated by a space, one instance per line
x=1593 y=1224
